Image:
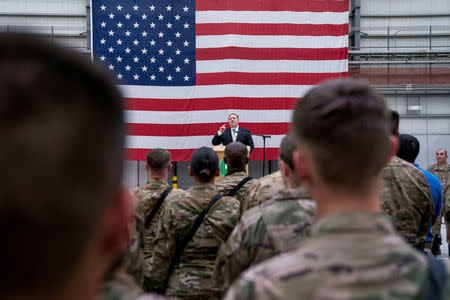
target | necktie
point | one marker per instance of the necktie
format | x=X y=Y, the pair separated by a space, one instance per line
x=233 y=136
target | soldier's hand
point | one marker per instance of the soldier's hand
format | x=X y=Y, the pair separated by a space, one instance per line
x=222 y=128
x=436 y=245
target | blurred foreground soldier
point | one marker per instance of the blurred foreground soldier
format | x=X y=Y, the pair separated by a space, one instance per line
x=236 y=182
x=64 y=214
x=264 y=189
x=406 y=197
x=441 y=169
x=186 y=246
x=277 y=226
x=152 y=198
x=354 y=251
x=409 y=150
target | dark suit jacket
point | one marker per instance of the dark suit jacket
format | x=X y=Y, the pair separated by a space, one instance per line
x=244 y=136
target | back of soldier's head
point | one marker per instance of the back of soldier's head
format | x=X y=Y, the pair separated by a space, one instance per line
x=395 y=121
x=204 y=164
x=287 y=147
x=345 y=126
x=61 y=135
x=158 y=159
x=236 y=155
x=409 y=147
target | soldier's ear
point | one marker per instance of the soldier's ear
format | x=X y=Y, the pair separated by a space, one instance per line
x=190 y=171
x=246 y=160
x=302 y=165
x=393 y=147
x=285 y=171
x=115 y=227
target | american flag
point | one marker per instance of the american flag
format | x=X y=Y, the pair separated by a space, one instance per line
x=184 y=65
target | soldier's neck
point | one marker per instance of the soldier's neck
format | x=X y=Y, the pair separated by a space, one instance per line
x=235 y=170
x=157 y=176
x=332 y=201
x=442 y=164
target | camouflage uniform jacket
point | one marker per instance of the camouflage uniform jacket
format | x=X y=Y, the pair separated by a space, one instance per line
x=349 y=256
x=264 y=189
x=121 y=286
x=442 y=173
x=148 y=195
x=407 y=199
x=193 y=277
x=277 y=226
x=226 y=184
x=134 y=258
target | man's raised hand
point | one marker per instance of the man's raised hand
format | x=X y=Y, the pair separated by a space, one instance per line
x=222 y=128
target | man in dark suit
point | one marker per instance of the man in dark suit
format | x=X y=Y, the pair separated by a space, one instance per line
x=234 y=133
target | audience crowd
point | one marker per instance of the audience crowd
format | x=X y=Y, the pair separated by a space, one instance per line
x=349 y=214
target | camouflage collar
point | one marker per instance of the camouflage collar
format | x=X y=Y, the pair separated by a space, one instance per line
x=155 y=182
x=347 y=223
x=292 y=194
x=442 y=168
x=202 y=187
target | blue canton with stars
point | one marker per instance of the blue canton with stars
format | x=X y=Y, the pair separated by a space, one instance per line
x=146 y=42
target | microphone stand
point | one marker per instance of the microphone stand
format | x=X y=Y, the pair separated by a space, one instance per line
x=264 y=149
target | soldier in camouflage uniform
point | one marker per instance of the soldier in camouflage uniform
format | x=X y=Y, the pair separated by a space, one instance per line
x=440 y=169
x=354 y=251
x=193 y=276
x=236 y=158
x=158 y=167
x=264 y=189
x=277 y=226
x=406 y=197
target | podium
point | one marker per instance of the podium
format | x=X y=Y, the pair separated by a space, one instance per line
x=220 y=150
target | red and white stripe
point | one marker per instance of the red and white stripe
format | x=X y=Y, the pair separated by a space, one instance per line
x=255 y=58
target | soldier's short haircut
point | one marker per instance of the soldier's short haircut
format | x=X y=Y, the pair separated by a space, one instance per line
x=395 y=120
x=236 y=155
x=61 y=136
x=345 y=124
x=204 y=163
x=287 y=147
x=409 y=148
x=158 y=159
x=442 y=150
